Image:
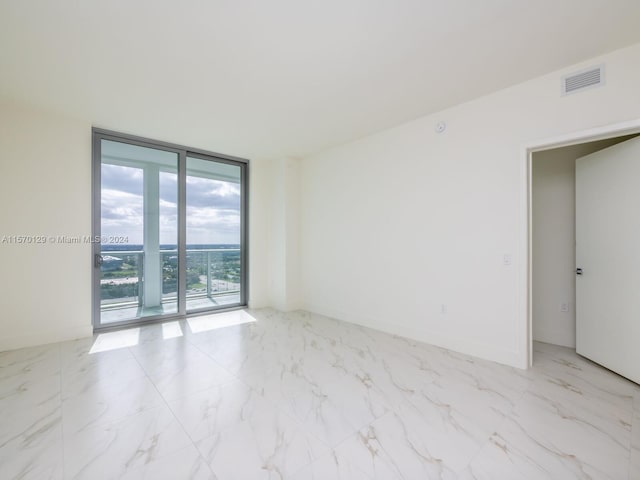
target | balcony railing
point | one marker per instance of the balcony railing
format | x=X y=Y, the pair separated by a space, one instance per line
x=210 y=273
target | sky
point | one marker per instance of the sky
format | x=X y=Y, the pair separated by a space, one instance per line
x=213 y=207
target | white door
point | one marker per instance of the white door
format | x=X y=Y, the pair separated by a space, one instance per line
x=608 y=253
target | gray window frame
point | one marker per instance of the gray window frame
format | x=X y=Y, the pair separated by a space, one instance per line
x=99 y=134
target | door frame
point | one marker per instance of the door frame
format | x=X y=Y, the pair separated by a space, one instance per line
x=525 y=300
x=99 y=134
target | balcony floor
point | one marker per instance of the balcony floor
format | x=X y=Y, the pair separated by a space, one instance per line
x=131 y=312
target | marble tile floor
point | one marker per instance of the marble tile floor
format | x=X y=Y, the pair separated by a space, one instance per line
x=265 y=395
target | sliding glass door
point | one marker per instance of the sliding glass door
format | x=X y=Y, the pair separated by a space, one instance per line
x=138 y=232
x=214 y=212
x=169 y=230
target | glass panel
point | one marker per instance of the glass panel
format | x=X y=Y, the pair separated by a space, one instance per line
x=139 y=229
x=213 y=234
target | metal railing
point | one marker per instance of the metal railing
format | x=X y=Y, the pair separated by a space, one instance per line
x=112 y=263
x=209 y=266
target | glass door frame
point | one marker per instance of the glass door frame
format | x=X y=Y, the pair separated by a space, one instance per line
x=98 y=135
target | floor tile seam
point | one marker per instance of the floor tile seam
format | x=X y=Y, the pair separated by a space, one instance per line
x=332 y=449
x=30 y=376
x=235 y=375
x=66 y=370
x=62 y=432
x=159 y=457
x=193 y=442
x=167 y=403
x=40 y=347
x=397 y=474
x=169 y=371
x=207 y=355
x=118 y=419
x=496 y=431
x=145 y=467
x=104 y=383
x=630 y=464
x=550 y=372
x=148 y=355
x=149 y=362
x=580 y=421
x=366 y=425
x=224 y=430
x=299 y=424
x=564 y=401
x=111 y=423
x=198 y=391
x=170 y=410
x=234 y=379
x=298 y=421
x=634 y=447
x=295 y=473
x=634 y=460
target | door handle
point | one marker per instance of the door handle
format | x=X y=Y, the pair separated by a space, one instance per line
x=578 y=271
x=98 y=260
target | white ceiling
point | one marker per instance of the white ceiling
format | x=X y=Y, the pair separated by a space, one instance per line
x=270 y=78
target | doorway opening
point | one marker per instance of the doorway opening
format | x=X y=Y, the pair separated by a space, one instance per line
x=553 y=249
x=551 y=310
x=169 y=230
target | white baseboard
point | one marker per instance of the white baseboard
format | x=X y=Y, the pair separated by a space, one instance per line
x=462 y=345
x=33 y=339
x=456 y=344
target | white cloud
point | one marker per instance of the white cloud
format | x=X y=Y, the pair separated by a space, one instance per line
x=213 y=213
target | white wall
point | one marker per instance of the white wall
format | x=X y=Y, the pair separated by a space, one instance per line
x=554 y=241
x=283 y=238
x=399 y=223
x=260 y=189
x=45 y=189
x=389 y=228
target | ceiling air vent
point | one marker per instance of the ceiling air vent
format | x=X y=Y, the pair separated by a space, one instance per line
x=582 y=80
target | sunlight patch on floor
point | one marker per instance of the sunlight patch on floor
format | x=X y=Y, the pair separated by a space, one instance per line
x=115 y=340
x=214 y=321
x=171 y=330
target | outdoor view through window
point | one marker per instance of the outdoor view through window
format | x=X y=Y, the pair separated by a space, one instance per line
x=139 y=228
